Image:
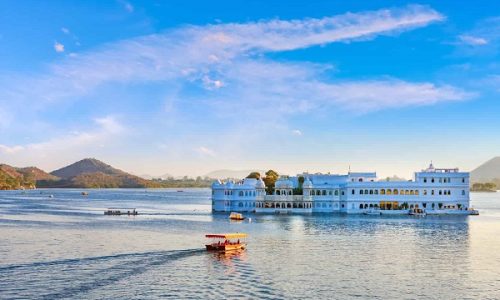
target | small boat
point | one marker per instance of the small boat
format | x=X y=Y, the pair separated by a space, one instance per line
x=51 y=196
x=226 y=242
x=473 y=212
x=180 y=191
x=372 y=212
x=236 y=216
x=85 y=194
x=417 y=212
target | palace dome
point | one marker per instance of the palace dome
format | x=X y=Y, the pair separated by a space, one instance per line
x=260 y=184
x=283 y=184
x=307 y=184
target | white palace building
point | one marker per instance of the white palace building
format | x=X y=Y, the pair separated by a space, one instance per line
x=436 y=191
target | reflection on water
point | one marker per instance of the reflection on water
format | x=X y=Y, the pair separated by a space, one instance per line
x=64 y=247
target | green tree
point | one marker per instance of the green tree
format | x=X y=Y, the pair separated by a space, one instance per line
x=255 y=175
x=270 y=180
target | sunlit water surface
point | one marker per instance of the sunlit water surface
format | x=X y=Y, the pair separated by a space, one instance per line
x=64 y=247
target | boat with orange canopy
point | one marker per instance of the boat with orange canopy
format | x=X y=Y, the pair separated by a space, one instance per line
x=226 y=241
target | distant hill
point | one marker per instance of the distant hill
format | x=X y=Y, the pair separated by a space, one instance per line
x=487 y=172
x=393 y=178
x=93 y=173
x=237 y=174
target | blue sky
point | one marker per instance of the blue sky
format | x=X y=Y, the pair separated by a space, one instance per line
x=186 y=87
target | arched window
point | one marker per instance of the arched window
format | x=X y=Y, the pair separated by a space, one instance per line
x=366 y=205
x=376 y=192
x=395 y=192
x=240 y=204
x=416 y=192
x=240 y=193
x=352 y=192
x=366 y=192
x=463 y=192
x=360 y=180
x=336 y=192
x=371 y=192
x=432 y=180
x=407 y=192
x=361 y=206
x=330 y=192
x=389 y=191
x=289 y=205
x=432 y=192
x=289 y=192
x=324 y=193
x=382 y=192
x=277 y=192
x=440 y=192
x=361 y=192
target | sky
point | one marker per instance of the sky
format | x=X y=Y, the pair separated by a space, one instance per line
x=188 y=87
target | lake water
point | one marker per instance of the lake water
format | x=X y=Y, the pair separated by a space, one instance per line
x=64 y=247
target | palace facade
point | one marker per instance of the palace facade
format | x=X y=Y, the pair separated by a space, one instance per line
x=439 y=191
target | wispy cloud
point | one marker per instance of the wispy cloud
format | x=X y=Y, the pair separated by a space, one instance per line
x=297 y=132
x=223 y=69
x=68 y=146
x=205 y=151
x=472 y=40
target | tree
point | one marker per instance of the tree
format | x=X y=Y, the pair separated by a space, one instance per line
x=255 y=175
x=270 y=180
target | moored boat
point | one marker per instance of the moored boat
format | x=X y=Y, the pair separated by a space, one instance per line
x=236 y=216
x=372 y=212
x=226 y=242
x=417 y=212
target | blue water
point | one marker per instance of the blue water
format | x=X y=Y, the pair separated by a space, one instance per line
x=64 y=247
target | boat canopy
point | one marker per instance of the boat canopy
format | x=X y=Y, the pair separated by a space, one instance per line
x=227 y=236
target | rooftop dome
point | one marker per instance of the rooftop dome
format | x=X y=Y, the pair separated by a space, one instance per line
x=283 y=183
x=260 y=184
x=307 y=184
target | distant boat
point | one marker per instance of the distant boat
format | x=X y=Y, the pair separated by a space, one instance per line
x=236 y=216
x=372 y=212
x=51 y=196
x=85 y=194
x=121 y=211
x=180 y=191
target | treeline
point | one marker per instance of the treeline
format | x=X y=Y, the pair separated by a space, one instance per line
x=484 y=187
x=184 y=182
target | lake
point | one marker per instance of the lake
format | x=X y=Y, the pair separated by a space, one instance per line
x=64 y=247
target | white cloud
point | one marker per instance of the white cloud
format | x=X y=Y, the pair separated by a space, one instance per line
x=205 y=151
x=472 y=40
x=58 y=47
x=297 y=132
x=65 y=30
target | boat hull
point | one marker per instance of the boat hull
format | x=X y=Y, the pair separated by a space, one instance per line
x=216 y=247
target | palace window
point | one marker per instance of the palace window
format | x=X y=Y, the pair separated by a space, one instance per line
x=352 y=191
x=463 y=180
x=432 y=180
x=463 y=192
x=371 y=192
x=324 y=193
x=366 y=192
x=432 y=192
x=382 y=192
x=395 y=192
x=376 y=192
x=240 y=194
x=389 y=192
x=361 y=192
x=425 y=179
x=440 y=192
x=336 y=192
